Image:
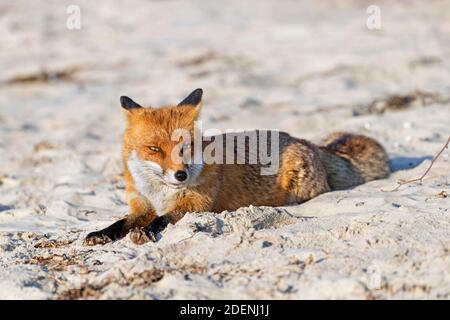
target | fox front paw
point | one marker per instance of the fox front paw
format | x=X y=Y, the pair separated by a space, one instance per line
x=141 y=236
x=114 y=232
x=157 y=225
x=97 y=237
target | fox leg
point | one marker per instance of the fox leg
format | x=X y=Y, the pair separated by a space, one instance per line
x=141 y=214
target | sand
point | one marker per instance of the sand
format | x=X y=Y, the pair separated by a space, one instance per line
x=309 y=69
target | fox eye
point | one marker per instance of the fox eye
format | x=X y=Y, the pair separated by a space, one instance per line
x=185 y=147
x=154 y=149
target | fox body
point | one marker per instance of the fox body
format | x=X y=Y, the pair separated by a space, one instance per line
x=161 y=189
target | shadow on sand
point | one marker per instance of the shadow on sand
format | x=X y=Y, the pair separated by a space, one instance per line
x=405 y=163
x=4 y=208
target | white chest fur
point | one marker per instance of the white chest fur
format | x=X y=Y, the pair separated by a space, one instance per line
x=147 y=177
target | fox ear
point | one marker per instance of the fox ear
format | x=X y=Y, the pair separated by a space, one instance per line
x=193 y=99
x=128 y=104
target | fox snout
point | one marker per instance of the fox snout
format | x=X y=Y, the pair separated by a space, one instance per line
x=149 y=171
x=177 y=177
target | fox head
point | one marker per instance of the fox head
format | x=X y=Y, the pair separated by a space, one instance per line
x=154 y=151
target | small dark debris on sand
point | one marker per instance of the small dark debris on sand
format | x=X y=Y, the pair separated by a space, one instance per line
x=400 y=102
x=45 y=76
x=90 y=291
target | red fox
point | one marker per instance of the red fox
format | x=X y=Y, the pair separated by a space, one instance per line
x=161 y=190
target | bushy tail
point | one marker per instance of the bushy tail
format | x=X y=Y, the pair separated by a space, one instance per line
x=352 y=159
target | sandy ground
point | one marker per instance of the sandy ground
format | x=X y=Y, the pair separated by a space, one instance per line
x=305 y=68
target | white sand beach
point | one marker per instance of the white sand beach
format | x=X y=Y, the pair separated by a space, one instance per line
x=308 y=68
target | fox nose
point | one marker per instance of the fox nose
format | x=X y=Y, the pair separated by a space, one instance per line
x=180 y=175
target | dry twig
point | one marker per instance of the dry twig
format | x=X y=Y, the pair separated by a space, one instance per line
x=420 y=179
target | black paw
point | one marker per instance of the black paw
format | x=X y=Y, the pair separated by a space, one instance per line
x=141 y=236
x=157 y=225
x=114 y=232
x=97 y=237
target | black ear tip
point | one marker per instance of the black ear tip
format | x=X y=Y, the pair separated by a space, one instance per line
x=128 y=103
x=193 y=98
x=198 y=93
x=123 y=100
